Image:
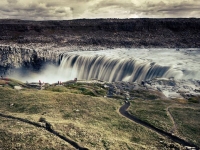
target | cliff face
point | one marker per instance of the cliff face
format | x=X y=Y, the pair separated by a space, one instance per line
x=104 y=32
x=14 y=58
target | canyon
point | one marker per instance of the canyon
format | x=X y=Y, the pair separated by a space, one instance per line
x=30 y=44
x=87 y=69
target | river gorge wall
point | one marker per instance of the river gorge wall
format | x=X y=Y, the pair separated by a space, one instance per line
x=12 y=58
x=32 y=44
x=67 y=66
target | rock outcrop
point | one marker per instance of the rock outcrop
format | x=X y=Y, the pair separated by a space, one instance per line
x=14 y=58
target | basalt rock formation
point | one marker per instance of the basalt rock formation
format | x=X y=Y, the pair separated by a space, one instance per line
x=169 y=33
x=14 y=58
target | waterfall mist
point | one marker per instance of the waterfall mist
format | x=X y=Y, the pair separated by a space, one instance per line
x=48 y=74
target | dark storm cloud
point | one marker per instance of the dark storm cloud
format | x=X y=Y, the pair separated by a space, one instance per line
x=72 y=9
x=12 y=1
x=35 y=11
x=175 y=9
x=183 y=9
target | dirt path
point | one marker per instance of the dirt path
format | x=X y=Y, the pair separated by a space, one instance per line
x=174 y=128
x=48 y=128
x=123 y=111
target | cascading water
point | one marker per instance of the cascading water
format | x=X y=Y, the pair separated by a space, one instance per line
x=112 y=69
x=132 y=65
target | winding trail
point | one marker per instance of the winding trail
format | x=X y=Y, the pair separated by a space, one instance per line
x=123 y=111
x=174 y=128
x=48 y=128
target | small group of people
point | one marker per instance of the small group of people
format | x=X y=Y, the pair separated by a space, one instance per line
x=59 y=83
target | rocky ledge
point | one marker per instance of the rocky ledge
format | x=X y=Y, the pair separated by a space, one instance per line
x=15 y=57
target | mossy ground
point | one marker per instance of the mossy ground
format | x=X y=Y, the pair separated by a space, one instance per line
x=92 y=121
x=184 y=113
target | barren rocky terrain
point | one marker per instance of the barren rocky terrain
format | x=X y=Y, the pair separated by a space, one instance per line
x=168 y=33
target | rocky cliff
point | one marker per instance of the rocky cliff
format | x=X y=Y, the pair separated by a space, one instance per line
x=170 y=33
x=13 y=58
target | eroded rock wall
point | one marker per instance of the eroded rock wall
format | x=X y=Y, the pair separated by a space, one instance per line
x=14 y=58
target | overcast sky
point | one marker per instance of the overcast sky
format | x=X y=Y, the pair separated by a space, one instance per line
x=73 y=9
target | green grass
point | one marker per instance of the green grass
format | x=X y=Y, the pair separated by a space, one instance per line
x=21 y=136
x=80 y=88
x=153 y=112
x=91 y=120
x=144 y=94
x=188 y=124
x=11 y=83
x=57 y=89
x=95 y=121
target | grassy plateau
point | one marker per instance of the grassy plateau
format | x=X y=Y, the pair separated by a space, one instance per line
x=83 y=114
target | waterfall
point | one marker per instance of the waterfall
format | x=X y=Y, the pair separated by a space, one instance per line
x=112 y=69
